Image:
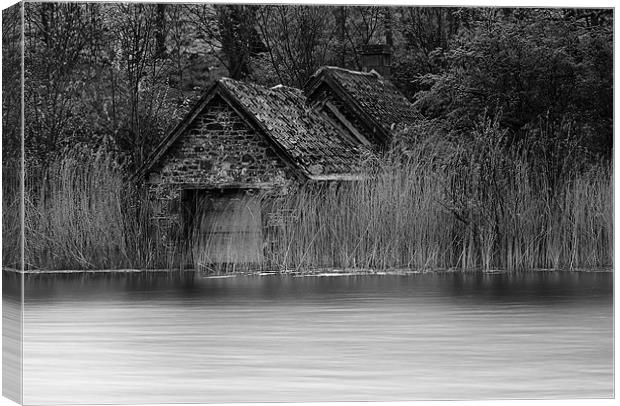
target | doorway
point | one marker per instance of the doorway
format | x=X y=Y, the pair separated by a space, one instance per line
x=224 y=227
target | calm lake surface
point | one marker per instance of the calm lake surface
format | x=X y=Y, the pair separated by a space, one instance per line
x=180 y=337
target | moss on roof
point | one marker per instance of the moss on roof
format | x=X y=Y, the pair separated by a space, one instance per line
x=306 y=135
x=376 y=97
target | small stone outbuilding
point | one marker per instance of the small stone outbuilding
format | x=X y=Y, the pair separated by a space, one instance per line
x=242 y=139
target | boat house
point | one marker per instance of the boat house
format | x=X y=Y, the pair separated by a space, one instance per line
x=242 y=139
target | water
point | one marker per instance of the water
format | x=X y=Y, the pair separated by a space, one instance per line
x=163 y=338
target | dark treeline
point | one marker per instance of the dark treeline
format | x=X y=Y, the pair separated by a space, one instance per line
x=116 y=77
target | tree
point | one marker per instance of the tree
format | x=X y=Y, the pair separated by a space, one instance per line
x=119 y=76
x=230 y=32
x=427 y=33
x=11 y=84
x=525 y=65
x=56 y=35
x=298 y=39
x=96 y=75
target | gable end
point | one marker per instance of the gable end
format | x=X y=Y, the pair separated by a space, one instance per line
x=219 y=147
x=218 y=93
x=324 y=88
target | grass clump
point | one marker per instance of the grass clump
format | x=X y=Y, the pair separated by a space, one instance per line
x=80 y=213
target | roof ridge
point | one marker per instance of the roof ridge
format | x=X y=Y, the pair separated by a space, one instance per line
x=354 y=72
x=377 y=74
x=289 y=89
x=280 y=88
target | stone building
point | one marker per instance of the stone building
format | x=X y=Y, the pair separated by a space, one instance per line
x=241 y=139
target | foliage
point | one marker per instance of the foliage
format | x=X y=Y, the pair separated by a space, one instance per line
x=525 y=66
x=516 y=142
x=230 y=32
x=11 y=83
x=93 y=75
x=11 y=137
x=119 y=76
x=298 y=40
x=479 y=204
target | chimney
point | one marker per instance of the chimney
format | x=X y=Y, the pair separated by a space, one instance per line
x=377 y=57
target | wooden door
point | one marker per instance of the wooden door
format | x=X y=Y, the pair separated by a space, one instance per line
x=229 y=231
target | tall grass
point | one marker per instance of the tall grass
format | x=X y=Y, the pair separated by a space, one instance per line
x=11 y=215
x=390 y=220
x=479 y=204
x=81 y=214
x=401 y=219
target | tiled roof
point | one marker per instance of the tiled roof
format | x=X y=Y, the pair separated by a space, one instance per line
x=375 y=96
x=310 y=140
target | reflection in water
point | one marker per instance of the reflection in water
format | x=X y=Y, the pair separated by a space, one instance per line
x=179 y=337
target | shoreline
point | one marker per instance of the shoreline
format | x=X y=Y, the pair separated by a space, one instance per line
x=324 y=272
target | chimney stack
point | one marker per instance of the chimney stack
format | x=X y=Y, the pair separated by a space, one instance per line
x=377 y=57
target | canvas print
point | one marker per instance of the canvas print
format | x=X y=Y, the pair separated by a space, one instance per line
x=214 y=203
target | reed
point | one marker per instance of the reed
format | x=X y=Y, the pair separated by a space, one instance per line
x=11 y=215
x=400 y=219
x=392 y=219
x=476 y=205
x=481 y=204
x=81 y=214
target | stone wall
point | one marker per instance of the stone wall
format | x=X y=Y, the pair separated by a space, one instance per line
x=218 y=149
